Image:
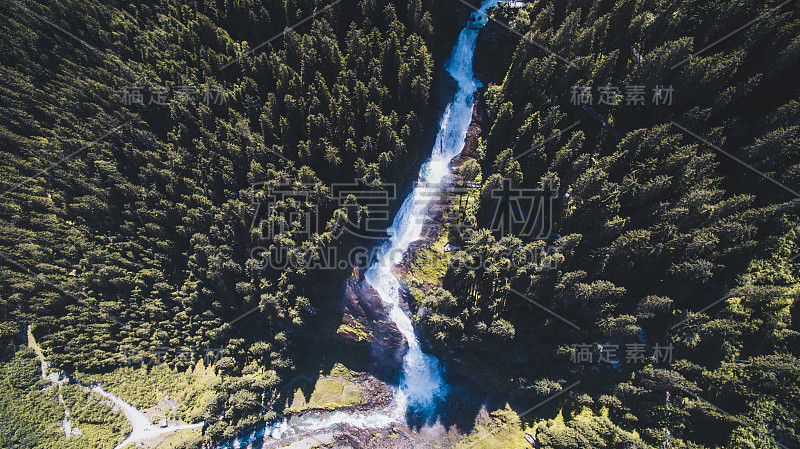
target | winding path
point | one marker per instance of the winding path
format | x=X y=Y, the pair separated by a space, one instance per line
x=143 y=429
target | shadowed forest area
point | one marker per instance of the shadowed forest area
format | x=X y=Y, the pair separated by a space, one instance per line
x=657 y=230
x=139 y=139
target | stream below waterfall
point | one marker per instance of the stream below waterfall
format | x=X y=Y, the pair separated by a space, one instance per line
x=421 y=384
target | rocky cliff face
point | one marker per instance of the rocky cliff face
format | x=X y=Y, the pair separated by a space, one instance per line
x=474 y=132
x=365 y=323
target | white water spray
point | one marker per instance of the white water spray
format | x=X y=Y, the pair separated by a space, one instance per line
x=421 y=383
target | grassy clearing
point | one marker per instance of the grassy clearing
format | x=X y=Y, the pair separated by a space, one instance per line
x=429 y=263
x=335 y=390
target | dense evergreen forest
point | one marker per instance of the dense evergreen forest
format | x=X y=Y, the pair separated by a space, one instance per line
x=126 y=226
x=140 y=241
x=655 y=230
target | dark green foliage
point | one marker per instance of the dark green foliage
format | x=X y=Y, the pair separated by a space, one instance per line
x=651 y=229
x=141 y=240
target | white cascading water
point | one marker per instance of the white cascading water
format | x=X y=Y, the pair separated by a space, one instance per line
x=421 y=380
x=421 y=383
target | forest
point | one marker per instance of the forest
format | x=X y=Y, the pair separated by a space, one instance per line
x=130 y=197
x=675 y=221
x=141 y=241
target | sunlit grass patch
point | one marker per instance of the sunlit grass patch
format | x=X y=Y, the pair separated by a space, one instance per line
x=336 y=390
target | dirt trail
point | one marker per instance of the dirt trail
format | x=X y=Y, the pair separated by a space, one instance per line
x=143 y=429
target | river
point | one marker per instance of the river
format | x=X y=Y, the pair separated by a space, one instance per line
x=421 y=385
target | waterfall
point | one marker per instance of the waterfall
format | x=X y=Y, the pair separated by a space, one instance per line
x=421 y=383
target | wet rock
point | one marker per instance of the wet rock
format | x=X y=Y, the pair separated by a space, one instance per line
x=365 y=323
x=407 y=301
x=474 y=132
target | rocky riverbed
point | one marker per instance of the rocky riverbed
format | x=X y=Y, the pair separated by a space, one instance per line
x=365 y=325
